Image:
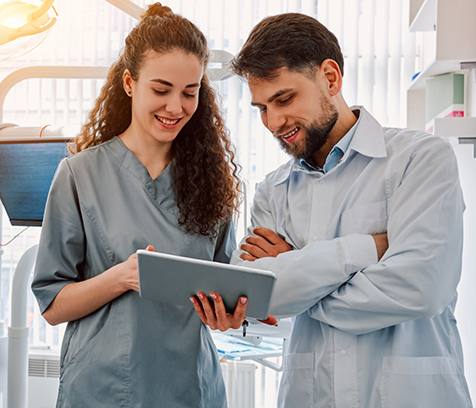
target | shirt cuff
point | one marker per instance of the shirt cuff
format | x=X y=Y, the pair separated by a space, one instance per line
x=360 y=252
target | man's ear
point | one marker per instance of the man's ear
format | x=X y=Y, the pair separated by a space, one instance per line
x=330 y=70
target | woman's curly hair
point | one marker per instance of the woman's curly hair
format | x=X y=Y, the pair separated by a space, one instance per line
x=205 y=175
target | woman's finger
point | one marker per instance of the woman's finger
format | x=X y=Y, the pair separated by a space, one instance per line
x=198 y=308
x=208 y=310
x=222 y=316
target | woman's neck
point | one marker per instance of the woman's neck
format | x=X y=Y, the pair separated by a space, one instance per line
x=154 y=155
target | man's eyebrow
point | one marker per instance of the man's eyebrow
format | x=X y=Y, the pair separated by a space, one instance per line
x=278 y=94
x=167 y=83
x=273 y=97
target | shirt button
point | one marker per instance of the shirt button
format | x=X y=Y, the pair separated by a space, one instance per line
x=322 y=181
x=343 y=352
x=314 y=237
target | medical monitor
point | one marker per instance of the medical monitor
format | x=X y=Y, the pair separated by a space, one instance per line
x=27 y=167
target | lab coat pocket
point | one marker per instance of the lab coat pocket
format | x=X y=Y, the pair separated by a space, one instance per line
x=365 y=219
x=422 y=382
x=297 y=383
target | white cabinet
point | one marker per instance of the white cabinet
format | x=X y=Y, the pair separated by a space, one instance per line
x=447 y=32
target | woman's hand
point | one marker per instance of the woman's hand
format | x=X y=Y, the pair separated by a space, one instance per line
x=130 y=272
x=216 y=316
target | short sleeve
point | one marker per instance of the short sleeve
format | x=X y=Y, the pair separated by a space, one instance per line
x=62 y=241
x=226 y=243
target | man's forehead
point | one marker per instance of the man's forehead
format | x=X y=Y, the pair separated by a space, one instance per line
x=265 y=89
x=273 y=77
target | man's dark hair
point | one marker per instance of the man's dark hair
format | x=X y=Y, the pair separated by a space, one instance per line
x=292 y=40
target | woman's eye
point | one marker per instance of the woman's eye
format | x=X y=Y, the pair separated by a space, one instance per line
x=159 y=92
x=190 y=95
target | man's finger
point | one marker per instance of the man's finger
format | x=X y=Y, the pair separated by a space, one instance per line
x=268 y=234
x=271 y=320
x=259 y=242
x=247 y=257
x=253 y=250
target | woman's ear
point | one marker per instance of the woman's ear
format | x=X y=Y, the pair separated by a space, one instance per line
x=331 y=72
x=127 y=82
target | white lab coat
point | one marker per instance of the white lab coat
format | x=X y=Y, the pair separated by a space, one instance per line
x=369 y=334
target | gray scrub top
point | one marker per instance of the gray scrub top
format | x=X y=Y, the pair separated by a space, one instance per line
x=132 y=352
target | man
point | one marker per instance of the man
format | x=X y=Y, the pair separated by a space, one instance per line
x=373 y=326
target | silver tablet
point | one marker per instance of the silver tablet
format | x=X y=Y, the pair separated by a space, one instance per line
x=174 y=279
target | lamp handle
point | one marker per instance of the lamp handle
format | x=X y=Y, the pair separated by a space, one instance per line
x=42 y=10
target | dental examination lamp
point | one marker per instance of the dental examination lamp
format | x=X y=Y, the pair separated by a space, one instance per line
x=23 y=26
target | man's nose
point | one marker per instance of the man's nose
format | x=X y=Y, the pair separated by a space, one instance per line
x=275 y=120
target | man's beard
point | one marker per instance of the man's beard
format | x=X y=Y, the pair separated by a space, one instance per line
x=314 y=136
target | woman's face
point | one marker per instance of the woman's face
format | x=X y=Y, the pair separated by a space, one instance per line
x=165 y=96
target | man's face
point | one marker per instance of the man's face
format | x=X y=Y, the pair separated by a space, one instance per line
x=295 y=109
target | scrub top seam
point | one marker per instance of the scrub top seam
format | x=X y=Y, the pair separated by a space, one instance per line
x=100 y=232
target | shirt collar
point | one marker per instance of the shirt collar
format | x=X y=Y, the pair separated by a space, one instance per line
x=365 y=137
x=368 y=139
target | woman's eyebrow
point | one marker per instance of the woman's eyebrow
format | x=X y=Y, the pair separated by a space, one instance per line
x=167 y=83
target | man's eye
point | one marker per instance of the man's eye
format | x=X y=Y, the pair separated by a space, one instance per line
x=262 y=109
x=285 y=101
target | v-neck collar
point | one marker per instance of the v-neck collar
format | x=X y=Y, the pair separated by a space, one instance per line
x=128 y=161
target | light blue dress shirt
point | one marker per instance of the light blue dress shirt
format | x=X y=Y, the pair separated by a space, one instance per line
x=368 y=333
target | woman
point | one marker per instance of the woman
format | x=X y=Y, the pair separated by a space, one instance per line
x=152 y=168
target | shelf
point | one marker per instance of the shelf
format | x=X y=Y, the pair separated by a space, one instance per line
x=437 y=67
x=425 y=19
x=454 y=24
x=455 y=127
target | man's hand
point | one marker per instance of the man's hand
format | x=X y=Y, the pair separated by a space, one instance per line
x=381 y=242
x=266 y=243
